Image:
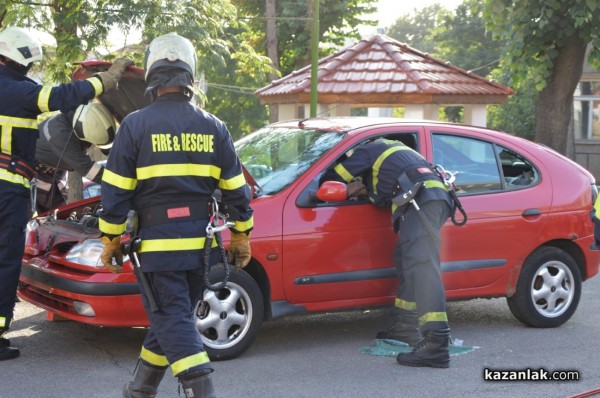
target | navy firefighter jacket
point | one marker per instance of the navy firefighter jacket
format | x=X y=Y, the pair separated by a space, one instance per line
x=170 y=154
x=21 y=101
x=380 y=163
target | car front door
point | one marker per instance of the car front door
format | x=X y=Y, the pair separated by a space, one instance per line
x=339 y=255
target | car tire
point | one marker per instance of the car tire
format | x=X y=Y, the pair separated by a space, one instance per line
x=230 y=318
x=548 y=289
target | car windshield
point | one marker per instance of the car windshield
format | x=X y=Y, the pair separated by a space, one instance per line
x=276 y=156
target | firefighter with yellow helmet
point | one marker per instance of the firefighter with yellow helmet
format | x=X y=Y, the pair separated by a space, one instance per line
x=63 y=145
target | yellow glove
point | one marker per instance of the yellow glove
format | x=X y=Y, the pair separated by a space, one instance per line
x=112 y=249
x=111 y=77
x=239 y=249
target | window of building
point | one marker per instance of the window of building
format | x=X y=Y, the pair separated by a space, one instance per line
x=586 y=110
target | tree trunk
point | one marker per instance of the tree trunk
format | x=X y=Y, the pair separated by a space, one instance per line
x=272 y=52
x=555 y=101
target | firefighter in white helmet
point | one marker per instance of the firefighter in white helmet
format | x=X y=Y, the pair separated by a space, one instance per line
x=21 y=101
x=64 y=144
x=166 y=163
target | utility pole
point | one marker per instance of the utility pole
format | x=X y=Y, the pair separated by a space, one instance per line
x=315 y=59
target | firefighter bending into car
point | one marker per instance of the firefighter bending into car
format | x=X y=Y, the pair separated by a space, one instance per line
x=21 y=101
x=63 y=145
x=388 y=169
x=166 y=162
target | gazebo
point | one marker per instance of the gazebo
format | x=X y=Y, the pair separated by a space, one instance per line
x=380 y=73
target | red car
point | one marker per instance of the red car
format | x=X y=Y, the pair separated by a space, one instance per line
x=527 y=238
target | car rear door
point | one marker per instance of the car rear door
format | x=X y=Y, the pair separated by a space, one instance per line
x=505 y=201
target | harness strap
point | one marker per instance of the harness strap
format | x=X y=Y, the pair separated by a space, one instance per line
x=16 y=166
x=174 y=212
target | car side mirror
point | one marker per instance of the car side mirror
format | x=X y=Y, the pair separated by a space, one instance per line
x=332 y=191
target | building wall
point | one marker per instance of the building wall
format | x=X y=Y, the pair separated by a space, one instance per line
x=587 y=154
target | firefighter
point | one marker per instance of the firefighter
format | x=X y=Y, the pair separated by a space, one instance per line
x=21 y=101
x=63 y=145
x=166 y=163
x=389 y=169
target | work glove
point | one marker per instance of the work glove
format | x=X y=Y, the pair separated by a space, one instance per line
x=112 y=249
x=239 y=250
x=111 y=77
x=356 y=189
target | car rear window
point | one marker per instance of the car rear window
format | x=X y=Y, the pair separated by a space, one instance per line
x=482 y=166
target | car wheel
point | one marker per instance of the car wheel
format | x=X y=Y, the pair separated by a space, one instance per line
x=548 y=290
x=230 y=318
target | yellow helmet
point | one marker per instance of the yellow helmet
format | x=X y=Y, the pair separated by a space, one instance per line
x=95 y=124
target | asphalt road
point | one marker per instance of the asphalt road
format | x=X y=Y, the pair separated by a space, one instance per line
x=318 y=356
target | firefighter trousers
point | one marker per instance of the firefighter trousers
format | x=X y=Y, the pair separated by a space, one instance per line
x=417 y=261
x=14 y=201
x=173 y=338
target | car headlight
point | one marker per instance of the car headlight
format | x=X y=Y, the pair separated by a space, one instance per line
x=88 y=253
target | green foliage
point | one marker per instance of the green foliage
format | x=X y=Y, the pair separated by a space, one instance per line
x=536 y=30
x=338 y=22
x=517 y=115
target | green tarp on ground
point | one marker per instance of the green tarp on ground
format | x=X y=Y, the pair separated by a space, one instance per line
x=391 y=348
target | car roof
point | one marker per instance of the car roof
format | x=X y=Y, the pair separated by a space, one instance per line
x=351 y=123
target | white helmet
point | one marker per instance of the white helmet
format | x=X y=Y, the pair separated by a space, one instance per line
x=95 y=124
x=18 y=45
x=170 y=50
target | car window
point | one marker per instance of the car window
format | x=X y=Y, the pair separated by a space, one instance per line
x=277 y=156
x=482 y=166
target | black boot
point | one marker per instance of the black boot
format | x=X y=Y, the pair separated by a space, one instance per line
x=4 y=342
x=198 y=385
x=432 y=351
x=145 y=382
x=404 y=328
x=8 y=352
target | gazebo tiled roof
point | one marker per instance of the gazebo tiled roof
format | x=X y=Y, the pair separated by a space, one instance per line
x=380 y=71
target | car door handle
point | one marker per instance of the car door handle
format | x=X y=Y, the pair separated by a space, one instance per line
x=531 y=212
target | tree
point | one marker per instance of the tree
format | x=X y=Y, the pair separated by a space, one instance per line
x=547 y=41
x=338 y=22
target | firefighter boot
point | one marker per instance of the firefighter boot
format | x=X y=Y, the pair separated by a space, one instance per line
x=431 y=351
x=145 y=382
x=198 y=385
x=6 y=351
x=404 y=328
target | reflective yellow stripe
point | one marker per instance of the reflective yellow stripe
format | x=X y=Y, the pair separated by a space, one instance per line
x=98 y=86
x=175 y=244
x=342 y=172
x=178 y=170
x=7 y=123
x=44 y=99
x=6 y=139
x=189 y=362
x=433 y=317
x=118 y=181
x=405 y=305
x=153 y=359
x=233 y=183
x=20 y=122
x=2 y=322
x=380 y=160
x=243 y=226
x=6 y=175
x=112 y=229
x=435 y=184
x=597 y=208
